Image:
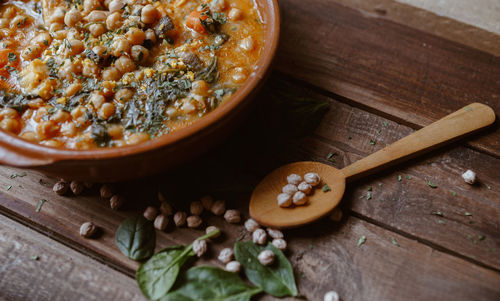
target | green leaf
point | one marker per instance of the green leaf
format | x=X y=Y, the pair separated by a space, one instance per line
x=361 y=240
x=156 y=276
x=277 y=279
x=136 y=238
x=211 y=283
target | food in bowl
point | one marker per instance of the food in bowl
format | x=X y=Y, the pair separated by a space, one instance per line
x=84 y=74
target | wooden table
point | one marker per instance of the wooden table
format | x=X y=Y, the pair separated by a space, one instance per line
x=384 y=69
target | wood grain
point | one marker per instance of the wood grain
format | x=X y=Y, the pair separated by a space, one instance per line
x=388 y=68
x=58 y=273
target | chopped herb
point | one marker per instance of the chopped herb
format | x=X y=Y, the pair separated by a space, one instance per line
x=330 y=156
x=40 y=204
x=468 y=214
x=302 y=275
x=361 y=240
x=45 y=42
x=311 y=246
x=394 y=242
x=326 y=188
x=14 y=175
x=481 y=237
x=488 y=186
x=431 y=185
x=349 y=137
x=380 y=184
x=438 y=213
x=385 y=123
x=34 y=257
x=372 y=142
x=12 y=57
x=370 y=188
x=8 y=187
x=399 y=178
x=369 y=195
x=442 y=222
x=454 y=193
x=408 y=177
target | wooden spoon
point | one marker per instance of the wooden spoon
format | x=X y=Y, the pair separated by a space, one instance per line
x=264 y=206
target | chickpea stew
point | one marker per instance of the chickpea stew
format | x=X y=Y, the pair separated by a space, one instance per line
x=81 y=74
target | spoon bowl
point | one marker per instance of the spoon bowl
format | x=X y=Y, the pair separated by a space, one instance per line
x=264 y=207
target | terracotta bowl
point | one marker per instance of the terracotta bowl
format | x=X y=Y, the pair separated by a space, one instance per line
x=115 y=164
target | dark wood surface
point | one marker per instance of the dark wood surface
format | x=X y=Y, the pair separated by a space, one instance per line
x=380 y=83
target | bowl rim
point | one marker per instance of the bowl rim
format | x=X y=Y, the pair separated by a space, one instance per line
x=27 y=149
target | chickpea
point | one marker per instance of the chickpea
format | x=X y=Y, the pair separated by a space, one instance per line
x=10 y=12
x=52 y=143
x=107 y=109
x=97 y=16
x=97 y=100
x=30 y=136
x=78 y=113
x=115 y=131
x=4 y=23
x=8 y=113
x=57 y=16
x=149 y=14
x=43 y=39
x=116 y=5
x=125 y=64
x=72 y=17
x=137 y=138
x=235 y=14
x=40 y=113
x=108 y=88
x=111 y=74
x=54 y=27
x=90 y=69
x=47 y=129
x=247 y=44
x=72 y=89
x=150 y=35
x=119 y=47
x=124 y=95
x=135 y=36
x=68 y=129
x=68 y=69
x=35 y=103
x=10 y=125
x=139 y=53
x=31 y=52
x=200 y=87
x=114 y=21
x=96 y=30
x=90 y=5
x=76 y=47
x=239 y=75
x=60 y=116
x=217 y=5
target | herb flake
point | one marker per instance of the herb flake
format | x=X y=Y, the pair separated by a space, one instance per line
x=326 y=188
x=394 y=242
x=40 y=204
x=361 y=240
x=431 y=185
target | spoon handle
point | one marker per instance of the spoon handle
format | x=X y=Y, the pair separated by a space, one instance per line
x=464 y=121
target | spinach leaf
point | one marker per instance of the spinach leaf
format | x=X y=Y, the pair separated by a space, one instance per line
x=211 y=283
x=136 y=238
x=156 y=276
x=277 y=279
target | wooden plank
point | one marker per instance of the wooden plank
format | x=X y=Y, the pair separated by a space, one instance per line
x=409 y=75
x=57 y=273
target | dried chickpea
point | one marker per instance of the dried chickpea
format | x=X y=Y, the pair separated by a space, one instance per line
x=199 y=247
x=196 y=208
x=180 y=218
x=259 y=236
x=116 y=201
x=232 y=216
x=76 y=187
x=135 y=36
x=266 y=257
x=211 y=229
x=61 y=187
x=106 y=191
x=275 y=233
x=233 y=266
x=207 y=202
x=150 y=213
x=194 y=221
x=251 y=225
x=166 y=208
x=469 y=177
x=161 y=222
x=88 y=229
x=226 y=255
x=114 y=21
x=218 y=207
x=149 y=14
x=279 y=243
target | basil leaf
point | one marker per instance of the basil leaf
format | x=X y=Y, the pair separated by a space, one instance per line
x=277 y=279
x=136 y=238
x=211 y=283
x=158 y=274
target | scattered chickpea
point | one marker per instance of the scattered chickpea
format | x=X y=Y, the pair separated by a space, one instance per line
x=251 y=225
x=336 y=215
x=114 y=21
x=207 y=202
x=233 y=267
x=72 y=89
x=124 y=95
x=116 y=5
x=235 y=14
x=218 y=207
x=180 y=218
x=232 y=216
x=300 y=198
x=45 y=129
x=150 y=213
x=76 y=187
x=166 y=208
x=124 y=64
x=119 y=47
x=196 y=208
x=226 y=255
x=279 y=243
x=90 y=5
x=284 y=200
x=275 y=233
x=305 y=187
x=107 y=110
x=96 y=30
x=331 y=296
x=76 y=47
x=106 y=191
x=97 y=100
x=210 y=229
x=88 y=229
x=247 y=44
x=259 y=236
x=200 y=247
x=161 y=222
x=61 y=188
x=469 y=177
x=193 y=221
x=72 y=17
x=30 y=136
x=149 y=14
x=290 y=189
x=57 y=16
x=10 y=125
x=116 y=201
x=294 y=179
x=266 y=257
x=312 y=178
x=97 y=16
x=135 y=36
x=150 y=35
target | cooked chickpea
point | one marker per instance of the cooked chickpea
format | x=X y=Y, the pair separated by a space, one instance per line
x=60 y=116
x=97 y=16
x=149 y=14
x=139 y=53
x=55 y=27
x=68 y=129
x=235 y=14
x=9 y=12
x=119 y=47
x=124 y=95
x=72 y=17
x=90 y=69
x=58 y=15
x=107 y=109
x=125 y=64
x=72 y=89
x=97 y=30
x=111 y=74
x=116 y=5
x=90 y=5
x=76 y=47
x=200 y=87
x=239 y=75
x=35 y=103
x=31 y=52
x=137 y=138
x=135 y=36
x=108 y=87
x=217 y=5
x=42 y=39
x=8 y=113
x=18 y=21
x=115 y=131
x=52 y=143
x=30 y=136
x=97 y=100
x=101 y=51
x=68 y=69
x=150 y=35
x=78 y=113
x=114 y=21
x=4 y=23
x=47 y=129
x=247 y=44
x=10 y=125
